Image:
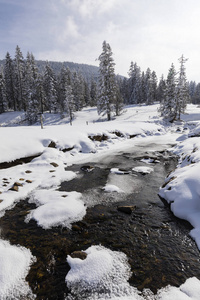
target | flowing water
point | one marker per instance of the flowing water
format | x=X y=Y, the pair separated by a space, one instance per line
x=157 y=244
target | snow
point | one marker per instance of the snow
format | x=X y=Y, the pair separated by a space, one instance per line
x=143 y=170
x=15 y=263
x=182 y=187
x=56 y=208
x=40 y=179
x=112 y=188
x=102 y=270
x=104 y=275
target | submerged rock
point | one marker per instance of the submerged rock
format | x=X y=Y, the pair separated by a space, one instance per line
x=87 y=168
x=126 y=209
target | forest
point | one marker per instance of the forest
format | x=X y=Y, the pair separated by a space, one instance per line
x=37 y=86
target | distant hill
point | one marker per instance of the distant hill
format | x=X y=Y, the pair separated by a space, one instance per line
x=88 y=71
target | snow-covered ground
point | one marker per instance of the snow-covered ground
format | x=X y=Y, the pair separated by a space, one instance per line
x=40 y=178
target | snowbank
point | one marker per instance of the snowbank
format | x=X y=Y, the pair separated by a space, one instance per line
x=45 y=171
x=15 y=263
x=24 y=141
x=182 y=186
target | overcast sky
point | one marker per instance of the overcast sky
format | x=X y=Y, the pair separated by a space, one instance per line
x=153 y=33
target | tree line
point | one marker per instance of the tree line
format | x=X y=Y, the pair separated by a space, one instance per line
x=24 y=87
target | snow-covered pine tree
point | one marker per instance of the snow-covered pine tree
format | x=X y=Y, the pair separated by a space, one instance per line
x=161 y=89
x=40 y=93
x=134 y=83
x=168 y=105
x=192 y=89
x=32 y=107
x=196 y=97
x=78 y=88
x=19 y=70
x=69 y=104
x=182 y=92
x=148 y=87
x=119 y=101
x=3 y=100
x=154 y=86
x=9 y=82
x=62 y=80
x=106 y=82
x=50 y=88
x=143 y=88
x=93 y=93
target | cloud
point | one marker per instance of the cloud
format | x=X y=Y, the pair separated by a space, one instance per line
x=90 y=8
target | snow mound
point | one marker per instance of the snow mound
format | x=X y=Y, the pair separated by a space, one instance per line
x=112 y=188
x=190 y=290
x=143 y=170
x=56 y=208
x=102 y=275
x=182 y=187
x=15 y=263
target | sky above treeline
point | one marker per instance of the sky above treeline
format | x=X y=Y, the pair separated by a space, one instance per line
x=153 y=33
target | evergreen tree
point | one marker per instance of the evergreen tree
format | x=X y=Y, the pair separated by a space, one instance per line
x=93 y=93
x=63 y=81
x=3 y=100
x=9 y=82
x=196 y=97
x=19 y=71
x=69 y=105
x=192 y=89
x=118 y=103
x=78 y=88
x=134 y=83
x=148 y=87
x=107 y=85
x=50 y=89
x=161 y=89
x=182 y=94
x=143 y=90
x=32 y=106
x=168 y=104
x=154 y=83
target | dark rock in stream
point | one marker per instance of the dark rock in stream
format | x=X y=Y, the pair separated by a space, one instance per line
x=79 y=254
x=126 y=209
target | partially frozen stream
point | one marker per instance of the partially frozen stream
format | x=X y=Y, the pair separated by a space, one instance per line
x=156 y=243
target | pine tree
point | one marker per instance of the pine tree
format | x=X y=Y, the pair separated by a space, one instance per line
x=148 y=87
x=50 y=89
x=69 y=104
x=196 y=97
x=78 y=88
x=182 y=93
x=9 y=82
x=161 y=89
x=19 y=71
x=119 y=101
x=3 y=100
x=134 y=83
x=107 y=85
x=168 y=104
x=32 y=106
x=192 y=89
x=154 y=86
x=93 y=93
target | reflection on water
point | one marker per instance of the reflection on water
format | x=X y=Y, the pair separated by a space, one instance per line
x=157 y=244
